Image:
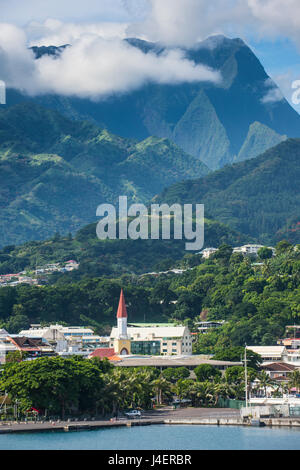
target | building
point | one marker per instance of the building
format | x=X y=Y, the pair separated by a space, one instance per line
x=104 y=353
x=251 y=249
x=292 y=331
x=32 y=347
x=120 y=339
x=164 y=362
x=292 y=356
x=71 y=339
x=207 y=252
x=148 y=339
x=6 y=346
x=292 y=345
x=94 y=341
x=205 y=326
x=279 y=371
x=269 y=354
x=53 y=334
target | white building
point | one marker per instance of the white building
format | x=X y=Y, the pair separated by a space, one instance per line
x=251 y=249
x=67 y=338
x=164 y=340
x=269 y=354
x=207 y=252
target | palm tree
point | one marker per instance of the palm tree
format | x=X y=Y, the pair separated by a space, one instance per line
x=223 y=390
x=161 y=388
x=265 y=381
x=182 y=387
x=294 y=380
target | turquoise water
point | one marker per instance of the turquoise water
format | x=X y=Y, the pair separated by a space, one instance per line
x=158 y=437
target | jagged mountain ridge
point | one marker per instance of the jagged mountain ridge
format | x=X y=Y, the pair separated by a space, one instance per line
x=55 y=172
x=211 y=122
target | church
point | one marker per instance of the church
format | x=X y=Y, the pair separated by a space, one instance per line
x=148 y=339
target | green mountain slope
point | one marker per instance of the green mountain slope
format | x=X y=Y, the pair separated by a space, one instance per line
x=259 y=197
x=55 y=172
x=259 y=139
x=108 y=257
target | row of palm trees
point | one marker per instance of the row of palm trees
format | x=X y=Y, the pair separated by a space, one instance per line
x=142 y=387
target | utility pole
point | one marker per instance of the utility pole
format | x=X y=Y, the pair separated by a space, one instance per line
x=246 y=378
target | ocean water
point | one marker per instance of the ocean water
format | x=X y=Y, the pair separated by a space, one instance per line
x=158 y=437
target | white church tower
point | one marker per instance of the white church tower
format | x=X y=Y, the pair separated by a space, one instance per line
x=122 y=341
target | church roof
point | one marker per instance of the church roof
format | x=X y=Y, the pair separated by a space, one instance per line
x=122 y=312
x=149 y=333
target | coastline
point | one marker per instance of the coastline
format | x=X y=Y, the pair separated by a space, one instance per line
x=186 y=416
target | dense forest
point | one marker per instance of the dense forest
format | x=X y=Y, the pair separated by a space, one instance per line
x=258 y=197
x=109 y=258
x=55 y=172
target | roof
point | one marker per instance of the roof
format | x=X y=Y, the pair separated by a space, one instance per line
x=122 y=312
x=147 y=325
x=103 y=352
x=5 y=400
x=279 y=367
x=141 y=334
x=267 y=350
x=170 y=361
x=114 y=358
x=37 y=330
x=25 y=343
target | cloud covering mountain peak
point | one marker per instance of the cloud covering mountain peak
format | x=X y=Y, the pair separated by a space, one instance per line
x=94 y=67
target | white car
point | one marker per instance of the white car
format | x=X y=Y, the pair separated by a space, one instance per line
x=133 y=414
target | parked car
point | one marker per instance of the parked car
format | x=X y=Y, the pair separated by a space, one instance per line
x=133 y=414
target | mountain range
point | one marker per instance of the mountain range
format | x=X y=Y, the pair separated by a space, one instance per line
x=258 y=197
x=238 y=118
x=55 y=172
x=236 y=144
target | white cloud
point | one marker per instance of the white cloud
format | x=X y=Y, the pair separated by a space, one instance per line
x=99 y=63
x=93 y=67
x=56 y=33
x=277 y=17
x=273 y=93
x=184 y=22
x=17 y=61
x=171 y=21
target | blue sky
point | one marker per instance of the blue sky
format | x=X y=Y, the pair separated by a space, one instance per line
x=281 y=60
x=270 y=27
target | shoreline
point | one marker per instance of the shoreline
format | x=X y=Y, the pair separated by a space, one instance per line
x=186 y=416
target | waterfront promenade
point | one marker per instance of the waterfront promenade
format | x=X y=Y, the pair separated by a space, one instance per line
x=159 y=416
x=167 y=415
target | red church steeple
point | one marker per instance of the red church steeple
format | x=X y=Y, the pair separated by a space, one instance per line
x=122 y=312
